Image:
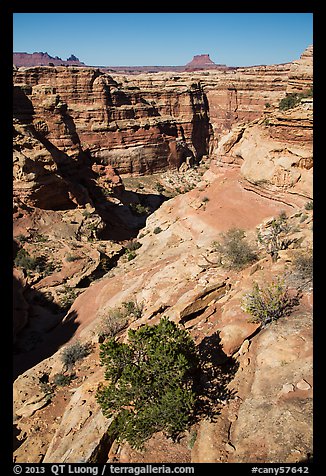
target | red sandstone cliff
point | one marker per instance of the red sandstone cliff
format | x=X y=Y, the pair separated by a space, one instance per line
x=147 y=123
x=135 y=129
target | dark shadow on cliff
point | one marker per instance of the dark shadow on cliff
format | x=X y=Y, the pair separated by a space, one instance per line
x=23 y=108
x=202 y=130
x=70 y=125
x=216 y=372
x=125 y=220
x=75 y=182
x=17 y=442
x=34 y=344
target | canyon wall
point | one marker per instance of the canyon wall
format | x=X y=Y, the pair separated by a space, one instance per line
x=147 y=123
x=301 y=72
x=118 y=123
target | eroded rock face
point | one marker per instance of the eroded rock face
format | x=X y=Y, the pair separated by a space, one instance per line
x=301 y=72
x=138 y=125
x=241 y=95
x=148 y=123
x=275 y=151
x=277 y=410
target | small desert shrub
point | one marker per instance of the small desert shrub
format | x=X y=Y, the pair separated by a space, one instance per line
x=293 y=99
x=47 y=389
x=289 y=101
x=73 y=353
x=159 y=187
x=303 y=264
x=192 y=440
x=112 y=323
x=133 y=245
x=133 y=308
x=139 y=210
x=117 y=318
x=130 y=255
x=71 y=257
x=38 y=264
x=150 y=382
x=25 y=260
x=22 y=238
x=235 y=252
x=61 y=380
x=40 y=238
x=205 y=199
x=275 y=236
x=68 y=297
x=157 y=230
x=130 y=250
x=269 y=303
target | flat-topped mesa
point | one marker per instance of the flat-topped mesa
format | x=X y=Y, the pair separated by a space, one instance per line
x=202 y=62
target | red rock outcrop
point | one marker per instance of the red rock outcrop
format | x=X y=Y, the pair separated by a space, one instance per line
x=241 y=95
x=301 y=72
x=148 y=123
x=244 y=94
x=203 y=62
x=43 y=59
x=275 y=152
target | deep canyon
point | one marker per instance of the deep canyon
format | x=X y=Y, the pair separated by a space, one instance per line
x=167 y=161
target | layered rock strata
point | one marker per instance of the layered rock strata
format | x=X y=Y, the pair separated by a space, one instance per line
x=148 y=123
x=118 y=122
x=301 y=72
x=275 y=152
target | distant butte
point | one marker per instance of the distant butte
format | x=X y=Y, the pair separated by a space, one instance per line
x=199 y=62
x=202 y=62
x=44 y=59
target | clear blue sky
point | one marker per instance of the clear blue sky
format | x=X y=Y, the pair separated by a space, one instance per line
x=142 y=39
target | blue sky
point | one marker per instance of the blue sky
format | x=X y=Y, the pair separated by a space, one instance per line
x=129 y=39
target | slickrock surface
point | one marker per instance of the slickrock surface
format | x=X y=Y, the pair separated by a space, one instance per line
x=172 y=278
